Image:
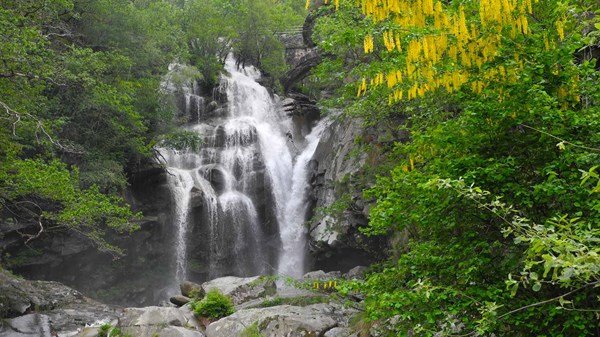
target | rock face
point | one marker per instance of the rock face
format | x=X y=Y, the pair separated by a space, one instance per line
x=68 y=258
x=335 y=242
x=37 y=308
x=27 y=325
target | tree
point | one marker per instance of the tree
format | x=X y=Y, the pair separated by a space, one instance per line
x=72 y=111
x=492 y=96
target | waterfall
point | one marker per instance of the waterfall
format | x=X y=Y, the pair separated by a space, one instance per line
x=293 y=232
x=239 y=202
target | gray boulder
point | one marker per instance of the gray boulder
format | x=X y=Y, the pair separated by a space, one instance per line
x=284 y=320
x=242 y=289
x=66 y=311
x=179 y=300
x=357 y=272
x=32 y=325
x=153 y=316
x=321 y=275
x=190 y=288
x=161 y=331
x=340 y=332
x=159 y=322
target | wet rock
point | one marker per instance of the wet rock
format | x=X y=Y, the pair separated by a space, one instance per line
x=212 y=106
x=179 y=300
x=335 y=172
x=191 y=289
x=196 y=197
x=18 y=296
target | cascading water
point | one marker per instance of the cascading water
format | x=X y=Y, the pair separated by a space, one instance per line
x=293 y=232
x=239 y=202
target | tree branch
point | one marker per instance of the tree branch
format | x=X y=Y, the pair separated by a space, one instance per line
x=562 y=140
x=32 y=77
x=549 y=300
x=16 y=117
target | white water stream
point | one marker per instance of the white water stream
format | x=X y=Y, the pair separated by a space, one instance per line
x=240 y=201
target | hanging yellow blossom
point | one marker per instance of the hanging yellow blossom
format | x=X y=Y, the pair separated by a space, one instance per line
x=368 y=44
x=560 y=29
x=445 y=46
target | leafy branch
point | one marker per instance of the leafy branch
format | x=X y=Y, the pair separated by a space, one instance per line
x=562 y=143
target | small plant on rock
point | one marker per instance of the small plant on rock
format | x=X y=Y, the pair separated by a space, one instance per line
x=107 y=330
x=213 y=306
x=251 y=331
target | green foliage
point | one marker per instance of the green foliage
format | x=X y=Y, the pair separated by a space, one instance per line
x=104 y=329
x=107 y=330
x=26 y=193
x=507 y=242
x=251 y=331
x=336 y=209
x=182 y=140
x=214 y=305
x=249 y=27
x=79 y=107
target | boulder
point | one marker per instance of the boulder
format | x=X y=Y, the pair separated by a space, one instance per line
x=179 y=300
x=18 y=296
x=189 y=289
x=160 y=322
x=357 y=272
x=284 y=320
x=339 y=332
x=33 y=325
x=65 y=310
x=161 y=331
x=321 y=275
x=242 y=289
x=153 y=316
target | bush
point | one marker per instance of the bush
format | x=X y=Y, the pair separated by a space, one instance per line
x=214 y=305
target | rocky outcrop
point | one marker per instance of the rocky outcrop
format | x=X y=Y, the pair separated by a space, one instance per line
x=338 y=209
x=49 y=309
x=44 y=309
x=69 y=258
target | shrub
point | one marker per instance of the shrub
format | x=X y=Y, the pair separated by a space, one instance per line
x=214 y=305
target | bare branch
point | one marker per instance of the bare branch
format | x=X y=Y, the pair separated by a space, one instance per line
x=16 y=117
x=35 y=236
